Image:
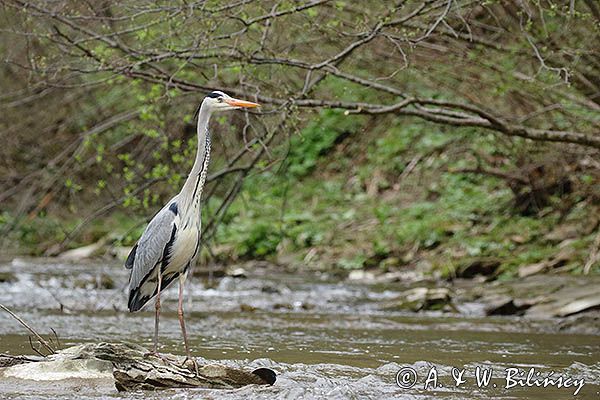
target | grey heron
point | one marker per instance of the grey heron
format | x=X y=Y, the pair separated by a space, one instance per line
x=169 y=245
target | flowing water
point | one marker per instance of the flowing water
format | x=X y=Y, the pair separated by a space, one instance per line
x=324 y=339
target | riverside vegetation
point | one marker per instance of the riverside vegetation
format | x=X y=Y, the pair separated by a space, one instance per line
x=443 y=135
x=357 y=193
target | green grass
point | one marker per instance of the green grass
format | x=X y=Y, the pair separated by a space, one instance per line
x=316 y=205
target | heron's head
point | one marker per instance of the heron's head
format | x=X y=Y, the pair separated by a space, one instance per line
x=219 y=101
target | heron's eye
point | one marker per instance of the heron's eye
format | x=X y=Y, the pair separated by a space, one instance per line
x=220 y=99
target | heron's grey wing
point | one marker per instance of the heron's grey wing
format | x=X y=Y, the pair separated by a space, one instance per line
x=150 y=248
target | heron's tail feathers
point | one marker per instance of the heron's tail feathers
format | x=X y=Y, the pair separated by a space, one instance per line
x=141 y=295
x=136 y=301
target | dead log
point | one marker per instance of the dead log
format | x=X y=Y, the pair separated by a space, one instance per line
x=134 y=367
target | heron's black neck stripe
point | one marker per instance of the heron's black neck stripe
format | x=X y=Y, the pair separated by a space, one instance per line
x=197 y=112
x=199 y=177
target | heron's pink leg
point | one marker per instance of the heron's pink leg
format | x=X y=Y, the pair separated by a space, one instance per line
x=181 y=319
x=157 y=311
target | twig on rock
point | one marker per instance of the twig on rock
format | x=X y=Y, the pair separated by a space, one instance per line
x=40 y=339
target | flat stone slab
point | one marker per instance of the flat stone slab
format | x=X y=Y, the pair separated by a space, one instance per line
x=579 y=305
x=132 y=367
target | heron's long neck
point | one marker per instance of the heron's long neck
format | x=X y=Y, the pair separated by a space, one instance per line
x=189 y=197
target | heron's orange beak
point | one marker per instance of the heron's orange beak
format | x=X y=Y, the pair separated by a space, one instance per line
x=241 y=103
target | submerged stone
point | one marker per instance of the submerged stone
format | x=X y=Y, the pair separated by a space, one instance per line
x=421 y=299
x=7 y=277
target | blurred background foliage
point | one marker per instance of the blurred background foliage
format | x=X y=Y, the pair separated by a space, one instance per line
x=391 y=133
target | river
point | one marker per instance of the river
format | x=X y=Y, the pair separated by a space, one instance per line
x=325 y=339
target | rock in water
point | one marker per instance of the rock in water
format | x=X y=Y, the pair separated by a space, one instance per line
x=422 y=299
x=579 y=305
x=134 y=367
x=83 y=252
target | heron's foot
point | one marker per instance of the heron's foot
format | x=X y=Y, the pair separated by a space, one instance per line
x=191 y=364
